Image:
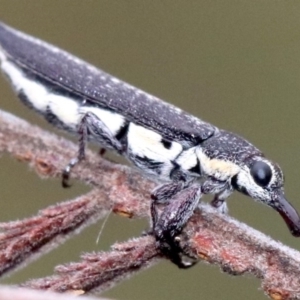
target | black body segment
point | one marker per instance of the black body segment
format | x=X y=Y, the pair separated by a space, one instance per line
x=229 y=146
x=63 y=71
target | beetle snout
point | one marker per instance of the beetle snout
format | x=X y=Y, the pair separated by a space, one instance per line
x=287 y=212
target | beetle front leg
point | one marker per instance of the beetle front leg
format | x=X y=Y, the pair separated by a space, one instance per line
x=171 y=222
x=165 y=192
x=219 y=201
x=162 y=195
x=221 y=189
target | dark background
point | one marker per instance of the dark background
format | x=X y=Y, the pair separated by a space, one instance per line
x=233 y=63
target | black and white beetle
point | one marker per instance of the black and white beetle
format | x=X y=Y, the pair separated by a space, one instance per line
x=188 y=156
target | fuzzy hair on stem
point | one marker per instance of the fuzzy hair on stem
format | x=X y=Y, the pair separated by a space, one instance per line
x=209 y=236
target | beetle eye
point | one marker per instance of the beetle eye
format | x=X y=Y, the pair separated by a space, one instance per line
x=261 y=173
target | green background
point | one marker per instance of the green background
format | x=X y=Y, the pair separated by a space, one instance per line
x=233 y=63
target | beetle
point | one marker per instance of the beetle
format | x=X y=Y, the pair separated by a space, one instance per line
x=187 y=156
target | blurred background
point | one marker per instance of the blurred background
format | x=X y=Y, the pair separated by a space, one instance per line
x=235 y=64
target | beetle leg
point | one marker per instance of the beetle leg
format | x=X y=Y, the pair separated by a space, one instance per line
x=90 y=125
x=163 y=195
x=164 y=192
x=219 y=201
x=171 y=222
x=222 y=191
x=213 y=186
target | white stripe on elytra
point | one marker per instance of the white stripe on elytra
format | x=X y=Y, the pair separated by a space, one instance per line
x=113 y=121
x=111 y=81
x=145 y=142
x=187 y=159
x=35 y=92
x=66 y=109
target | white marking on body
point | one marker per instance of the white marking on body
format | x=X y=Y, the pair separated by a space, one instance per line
x=35 y=92
x=65 y=109
x=188 y=159
x=145 y=142
x=95 y=71
x=113 y=121
x=220 y=169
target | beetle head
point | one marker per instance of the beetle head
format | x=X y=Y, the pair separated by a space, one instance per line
x=263 y=180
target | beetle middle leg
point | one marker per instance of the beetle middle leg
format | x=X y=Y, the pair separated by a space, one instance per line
x=170 y=223
x=91 y=125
